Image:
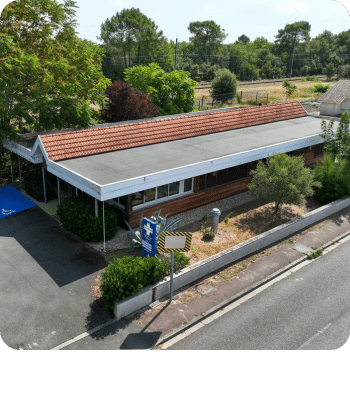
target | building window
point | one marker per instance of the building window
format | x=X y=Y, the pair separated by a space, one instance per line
x=160 y=193
x=187 y=185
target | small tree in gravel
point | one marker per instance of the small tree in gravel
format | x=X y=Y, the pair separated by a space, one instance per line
x=224 y=85
x=126 y=103
x=282 y=180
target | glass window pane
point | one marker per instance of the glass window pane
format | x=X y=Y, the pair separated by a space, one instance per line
x=187 y=184
x=137 y=198
x=150 y=194
x=174 y=188
x=162 y=191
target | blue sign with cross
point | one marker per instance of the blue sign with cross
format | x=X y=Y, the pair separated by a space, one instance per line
x=149 y=232
x=12 y=201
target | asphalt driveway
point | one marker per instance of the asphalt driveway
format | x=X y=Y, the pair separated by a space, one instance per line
x=46 y=275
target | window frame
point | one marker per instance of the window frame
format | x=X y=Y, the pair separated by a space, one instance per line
x=165 y=199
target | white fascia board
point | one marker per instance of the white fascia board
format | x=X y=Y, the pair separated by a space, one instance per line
x=86 y=185
x=129 y=186
x=22 y=151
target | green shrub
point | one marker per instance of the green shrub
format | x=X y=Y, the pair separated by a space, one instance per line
x=79 y=217
x=180 y=261
x=128 y=275
x=312 y=78
x=334 y=177
x=315 y=254
x=224 y=85
x=318 y=87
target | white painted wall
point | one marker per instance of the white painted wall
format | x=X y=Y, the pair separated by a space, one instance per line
x=330 y=108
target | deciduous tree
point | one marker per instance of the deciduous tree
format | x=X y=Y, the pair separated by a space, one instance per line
x=171 y=92
x=282 y=180
x=48 y=76
x=126 y=103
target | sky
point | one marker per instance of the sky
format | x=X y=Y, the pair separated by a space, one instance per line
x=253 y=18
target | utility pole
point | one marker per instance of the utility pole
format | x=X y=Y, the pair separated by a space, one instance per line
x=291 y=66
x=176 y=54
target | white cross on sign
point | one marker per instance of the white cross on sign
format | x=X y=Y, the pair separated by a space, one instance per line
x=148 y=229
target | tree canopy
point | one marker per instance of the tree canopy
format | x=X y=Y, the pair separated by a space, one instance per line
x=282 y=180
x=171 y=92
x=207 y=36
x=337 y=142
x=48 y=75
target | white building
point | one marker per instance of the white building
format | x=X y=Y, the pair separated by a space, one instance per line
x=337 y=99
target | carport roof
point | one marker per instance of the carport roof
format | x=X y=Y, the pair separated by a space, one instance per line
x=131 y=163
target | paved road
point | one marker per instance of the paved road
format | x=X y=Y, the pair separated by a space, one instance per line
x=309 y=309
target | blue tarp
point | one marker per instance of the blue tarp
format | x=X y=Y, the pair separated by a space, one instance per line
x=12 y=201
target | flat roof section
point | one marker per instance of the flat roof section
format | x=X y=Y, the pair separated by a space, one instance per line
x=117 y=166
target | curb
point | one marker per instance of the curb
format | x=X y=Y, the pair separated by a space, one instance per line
x=245 y=292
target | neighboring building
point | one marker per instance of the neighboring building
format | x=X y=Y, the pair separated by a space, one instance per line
x=176 y=163
x=337 y=99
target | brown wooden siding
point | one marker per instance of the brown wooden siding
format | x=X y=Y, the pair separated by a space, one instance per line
x=203 y=197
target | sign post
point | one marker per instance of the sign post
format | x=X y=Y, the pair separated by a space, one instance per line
x=149 y=232
x=174 y=241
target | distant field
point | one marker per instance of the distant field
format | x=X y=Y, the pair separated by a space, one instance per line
x=260 y=92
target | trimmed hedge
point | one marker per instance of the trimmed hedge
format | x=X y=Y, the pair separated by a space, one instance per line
x=128 y=275
x=79 y=217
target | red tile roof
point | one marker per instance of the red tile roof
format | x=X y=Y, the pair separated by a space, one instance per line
x=61 y=146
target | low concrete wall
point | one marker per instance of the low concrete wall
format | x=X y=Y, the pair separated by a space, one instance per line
x=220 y=260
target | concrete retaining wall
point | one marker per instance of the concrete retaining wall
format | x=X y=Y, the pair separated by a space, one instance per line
x=220 y=260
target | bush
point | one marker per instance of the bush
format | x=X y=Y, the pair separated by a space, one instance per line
x=79 y=217
x=128 y=275
x=126 y=103
x=321 y=88
x=224 y=85
x=312 y=78
x=334 y=177
x=180 y=261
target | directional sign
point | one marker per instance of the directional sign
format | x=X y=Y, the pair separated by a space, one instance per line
x=149 y=232
x=174 y=241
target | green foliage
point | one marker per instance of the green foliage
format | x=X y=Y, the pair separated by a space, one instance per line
x=207 y=36
x=337 y=142
x=329 y=70
x=78 y=217
x=282 y=180
x=334 y=177
x=226 y=219
x=224 y=86
x=130 y=37
x=208 y=233
x=181 y=261
x=315 y=254
x=321 y=88
x=127 y=276
x=311 y=78
x=290 y=89
x=49 y=75
x=171 y=92
x=126 y=103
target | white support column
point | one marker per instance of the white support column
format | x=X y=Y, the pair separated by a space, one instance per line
x=58 y=190
x=104 y=230
x=96 y=208
x=20 y=172
x=44 y=183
